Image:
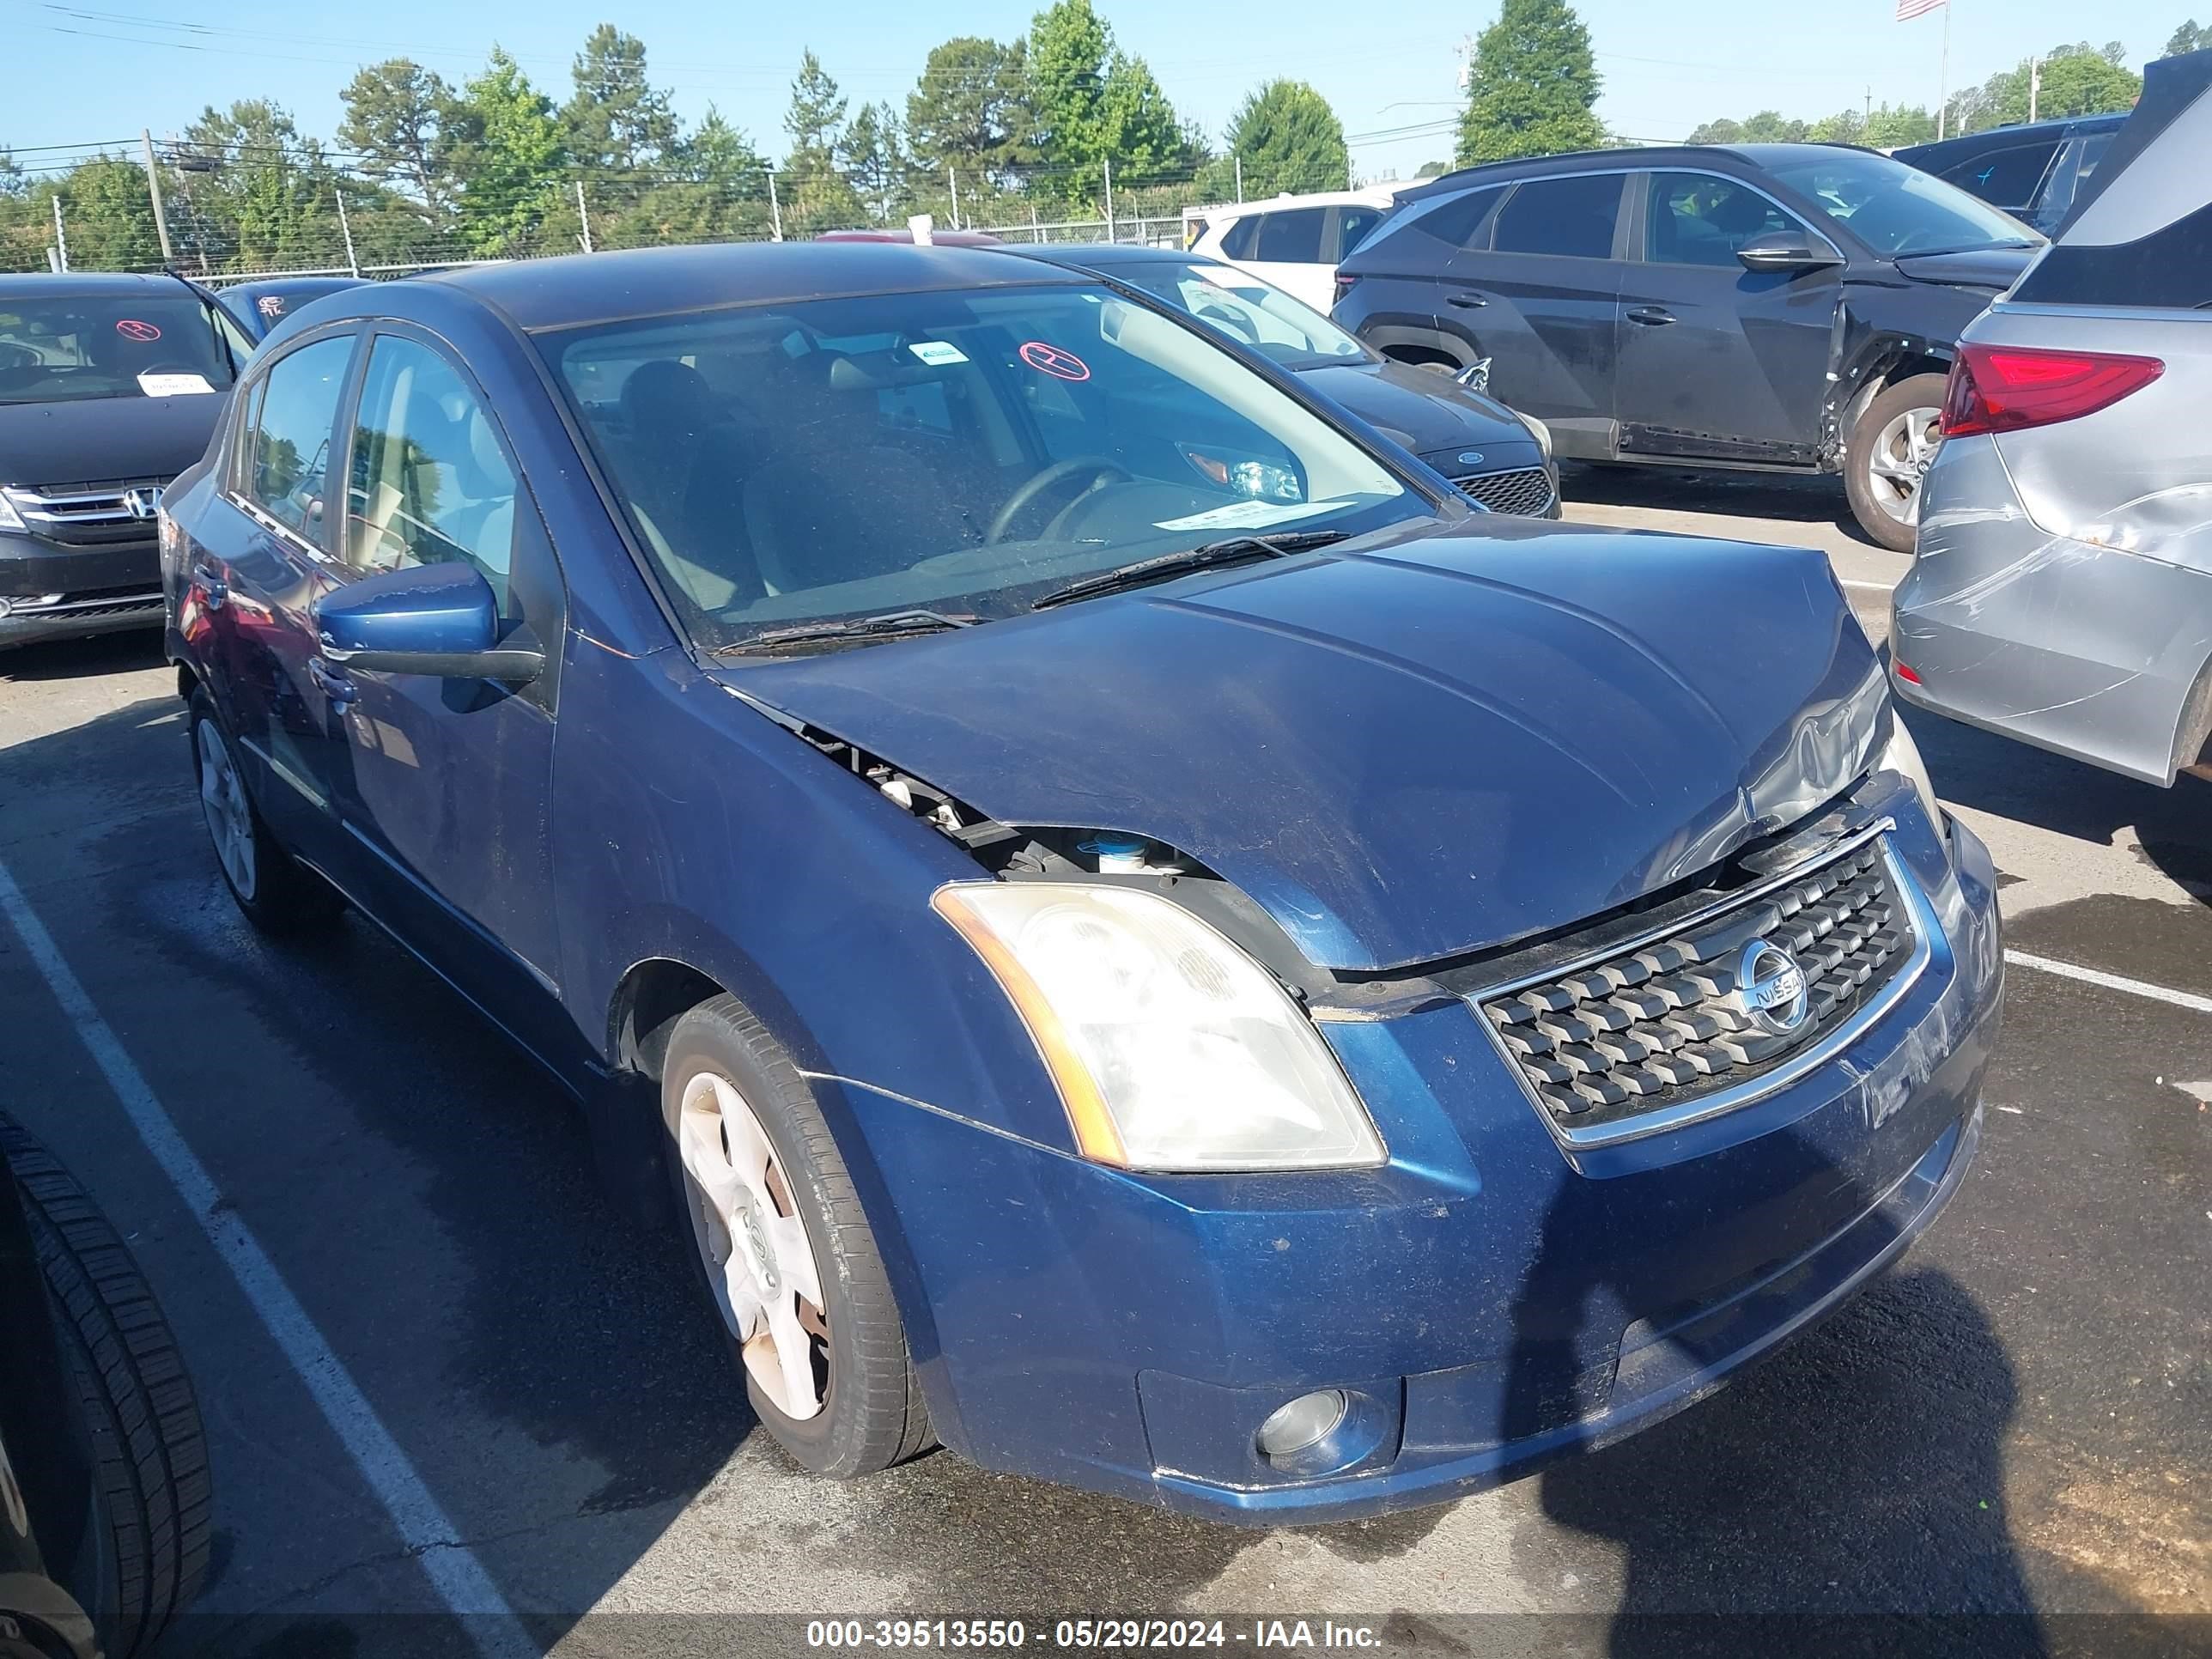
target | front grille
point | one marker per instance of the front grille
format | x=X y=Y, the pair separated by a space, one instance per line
x=74 y=605
x=86 y=514
x=1525 y=489
x=1644 y=1029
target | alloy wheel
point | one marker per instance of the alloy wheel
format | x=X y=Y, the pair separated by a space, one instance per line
x=223 y=804
x=1899 y=459
x=755 y=1247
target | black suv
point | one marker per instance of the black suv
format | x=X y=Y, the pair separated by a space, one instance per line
x=2033 y=171
x=1788 y=307
x=109 y=386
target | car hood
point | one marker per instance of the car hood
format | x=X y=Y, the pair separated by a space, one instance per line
x=1435 y=740
x=98 y=438
x=1992 y=268
x=1425 y=410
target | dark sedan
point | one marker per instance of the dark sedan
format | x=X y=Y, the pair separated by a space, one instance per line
x=259 y=307
x=1137 y=935
x=1785 y=307
x=2034 y=172
x=1491 y=454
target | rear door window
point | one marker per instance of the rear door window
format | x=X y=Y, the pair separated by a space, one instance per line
x=1291 y=237
x=1574 y=217
x=2007 y=177
x=288 y=459
x=1236 y=241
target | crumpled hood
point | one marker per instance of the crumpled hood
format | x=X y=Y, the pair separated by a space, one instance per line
x=98 y=438
x=1993 y=268
x=1437 y=738
x=1426 y=410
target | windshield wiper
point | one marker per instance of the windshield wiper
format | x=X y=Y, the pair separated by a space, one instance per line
x=884 y=625
x=1231 y=550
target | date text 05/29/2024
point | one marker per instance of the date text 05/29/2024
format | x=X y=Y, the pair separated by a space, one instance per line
x=1105 y=1635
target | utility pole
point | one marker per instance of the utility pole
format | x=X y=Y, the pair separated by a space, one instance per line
x=952 y=179
x=775 y=212
x=154 y=189
x=61 y=236
x=1109 y=199
x=1943 y=101
x=584 y=216
x=2034 y=85
x=345 y=230
x=1868 y=121
x=1036 y=231
x=1239 y=176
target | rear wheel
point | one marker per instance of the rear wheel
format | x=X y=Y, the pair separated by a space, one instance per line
x=787 y=1253
x=1887 y=457
x=276 y=891
x=154 y=1503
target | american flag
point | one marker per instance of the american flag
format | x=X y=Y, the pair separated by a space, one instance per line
x=1906 y=9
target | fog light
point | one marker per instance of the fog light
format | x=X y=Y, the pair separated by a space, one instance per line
x=1306 y=1421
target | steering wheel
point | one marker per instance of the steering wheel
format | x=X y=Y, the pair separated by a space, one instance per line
x=13 y=356
x=1059 y=472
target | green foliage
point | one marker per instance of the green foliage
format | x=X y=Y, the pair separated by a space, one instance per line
x=1533 y=85
x=1093 y=105
x=403 y=122
x=970 y=111
x=873 y=157
x=1288 y=138
x=270 y=198
x=2191 y=36
x=817 y=196
x=510 y=167
x=2076 y=80
x=618 y=121
x=1884 y=127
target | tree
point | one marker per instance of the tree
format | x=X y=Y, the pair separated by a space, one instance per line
x=1533 y=85
x=1094 y=103
x=510 y=167
x=970 y=110
x=2076 y=80
x=1288 y=138
x=2190 y=37
x=616 y=122
x=402 y=121
x=818 y=198
x=268 y=197
x=873 y=157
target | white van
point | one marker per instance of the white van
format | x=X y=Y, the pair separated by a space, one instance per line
x=1292 y=241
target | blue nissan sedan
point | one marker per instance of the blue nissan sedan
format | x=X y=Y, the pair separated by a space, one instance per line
x=1142 y=941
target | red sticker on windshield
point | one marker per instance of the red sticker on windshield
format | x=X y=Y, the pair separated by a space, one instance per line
x=1051 y=360
x=131 y=329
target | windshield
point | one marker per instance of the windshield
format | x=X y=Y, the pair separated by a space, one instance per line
x=1895 y=209
x=71 y=348
x=1246 y=310
x=961 y=452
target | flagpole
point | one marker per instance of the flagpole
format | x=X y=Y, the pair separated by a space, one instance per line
x=1943 y=100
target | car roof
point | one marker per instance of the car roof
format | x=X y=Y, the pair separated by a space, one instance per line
x=77 y=284
x=1097 y=255
x=2055 y=127
x=1594 y=160
x=294 y=285
x=592 y=288
x=1372 y=196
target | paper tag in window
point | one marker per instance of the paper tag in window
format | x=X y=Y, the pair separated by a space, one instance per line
x=173 y=385
x=1248 y=515
x=936 y=353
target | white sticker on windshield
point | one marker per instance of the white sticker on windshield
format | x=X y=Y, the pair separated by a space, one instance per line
x=936 y=353
x=173 y=385
x=1246 y=515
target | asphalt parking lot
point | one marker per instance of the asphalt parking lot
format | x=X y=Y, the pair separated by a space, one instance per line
x=2011 y=1433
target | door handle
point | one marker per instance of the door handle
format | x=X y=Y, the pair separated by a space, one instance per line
x=331 y=683
x=1465 y=301
x=1650 y=316
x=212 y=584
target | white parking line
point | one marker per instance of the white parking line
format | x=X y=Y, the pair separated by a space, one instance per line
x=453 y=1570
x=2188 y=999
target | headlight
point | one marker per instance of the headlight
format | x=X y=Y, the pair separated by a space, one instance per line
x=1903 y=755
x=9 y=518
x=1172 y=1048
x=1543 y=433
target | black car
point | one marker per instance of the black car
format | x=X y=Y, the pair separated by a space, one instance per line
x=1490 y=453
x=2033 y=171
x=109 y=386
x=259 y=307
x=106 y=1513
x=1787 y=307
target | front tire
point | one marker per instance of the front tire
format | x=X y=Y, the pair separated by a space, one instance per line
x=1887 y=457
x=785 y=1250
x=275 y=891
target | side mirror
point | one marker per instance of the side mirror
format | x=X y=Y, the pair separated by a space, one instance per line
x=441 y=620
x=1784 y=250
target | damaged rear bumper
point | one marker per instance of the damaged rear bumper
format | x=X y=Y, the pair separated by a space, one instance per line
x=1485 y=1303
x=2090 y=649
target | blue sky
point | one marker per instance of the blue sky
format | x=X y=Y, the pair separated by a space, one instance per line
x=84 y=72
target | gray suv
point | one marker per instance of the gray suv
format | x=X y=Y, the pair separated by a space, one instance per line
x=2062 y=591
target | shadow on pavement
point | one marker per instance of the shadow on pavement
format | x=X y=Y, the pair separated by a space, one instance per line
x=76 y=659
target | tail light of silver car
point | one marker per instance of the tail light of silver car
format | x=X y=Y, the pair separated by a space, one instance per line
x=1997 y=388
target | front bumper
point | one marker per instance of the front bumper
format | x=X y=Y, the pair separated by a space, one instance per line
x=1487 y=1301
x=2091 y=651
x=101 y=589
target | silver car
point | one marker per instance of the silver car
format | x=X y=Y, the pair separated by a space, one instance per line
x=2062 y=593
